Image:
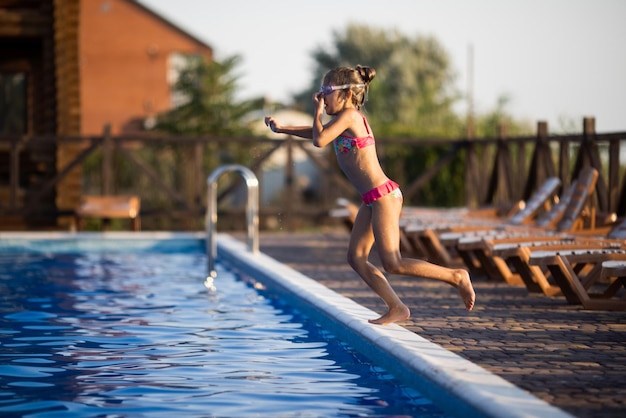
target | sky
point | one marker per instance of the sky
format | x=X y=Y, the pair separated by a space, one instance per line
x=556 y=60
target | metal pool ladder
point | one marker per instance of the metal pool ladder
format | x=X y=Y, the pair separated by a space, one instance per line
x=252 y=212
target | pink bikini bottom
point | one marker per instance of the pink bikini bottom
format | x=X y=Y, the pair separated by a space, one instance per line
x=388 y=187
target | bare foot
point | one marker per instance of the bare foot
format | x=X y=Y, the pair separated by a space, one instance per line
x=465 y=288
x=401 y=313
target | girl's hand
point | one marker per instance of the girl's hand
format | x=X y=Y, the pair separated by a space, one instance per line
x=318 y=98
x=271 y=122
x=318 y=103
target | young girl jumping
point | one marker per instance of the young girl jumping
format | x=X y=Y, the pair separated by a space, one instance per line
x=342 y=95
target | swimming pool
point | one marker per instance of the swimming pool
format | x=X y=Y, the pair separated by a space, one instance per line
x=91 y=327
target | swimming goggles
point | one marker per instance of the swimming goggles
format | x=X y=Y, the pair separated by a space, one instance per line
x=328 y=89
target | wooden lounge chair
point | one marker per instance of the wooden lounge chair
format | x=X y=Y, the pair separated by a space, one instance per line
x=614 y=270
x=474 y=248
x=511 y=257
x=443 y=244
x=506 y=257
x=108 y=207
x=345 y=211
x=592 y=290
x=425 y=236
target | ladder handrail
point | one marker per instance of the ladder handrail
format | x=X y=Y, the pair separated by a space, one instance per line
x=252 y=211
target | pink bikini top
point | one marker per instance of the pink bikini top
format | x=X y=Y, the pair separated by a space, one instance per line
x=344 y=144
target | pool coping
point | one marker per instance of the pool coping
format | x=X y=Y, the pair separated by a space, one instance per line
x=404 y=352
x=485 y=392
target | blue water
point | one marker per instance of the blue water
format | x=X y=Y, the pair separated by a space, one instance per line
x=128 y=329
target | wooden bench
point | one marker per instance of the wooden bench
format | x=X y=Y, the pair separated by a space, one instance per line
x=107 y=208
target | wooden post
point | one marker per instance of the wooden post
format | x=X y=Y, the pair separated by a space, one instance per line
x=614 y=167
x=497 y=185
x=545 y=168
x=583 y=159
x=107 y=161
x=602 y=192
x=589 y=126
x=472 y=175
x=512 y=193
x=289 y=195
x=199 y=179
x=537 y=169
x=14 y=174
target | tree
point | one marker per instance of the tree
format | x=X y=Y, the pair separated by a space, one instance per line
x=207 y=106
x=207 y=92
x=413 y=92
x=487 y=124
x=412 y=96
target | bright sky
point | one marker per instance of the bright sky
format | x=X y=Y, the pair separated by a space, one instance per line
x=556 y=59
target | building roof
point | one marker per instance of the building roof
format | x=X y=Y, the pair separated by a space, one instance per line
x=169 y=23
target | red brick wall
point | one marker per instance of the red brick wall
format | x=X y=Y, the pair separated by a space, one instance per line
x=124 y=50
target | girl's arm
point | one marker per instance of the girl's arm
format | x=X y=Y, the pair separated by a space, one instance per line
x=321 y=134
x=300 y=131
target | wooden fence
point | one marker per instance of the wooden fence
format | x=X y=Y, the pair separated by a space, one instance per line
x=172 y=181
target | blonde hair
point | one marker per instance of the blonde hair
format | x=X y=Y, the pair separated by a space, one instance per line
x=355 y=76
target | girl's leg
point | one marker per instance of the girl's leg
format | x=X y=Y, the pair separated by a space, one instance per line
x=361 y=242
x=386 y=230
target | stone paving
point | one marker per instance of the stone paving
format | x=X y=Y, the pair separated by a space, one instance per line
x=569 y=357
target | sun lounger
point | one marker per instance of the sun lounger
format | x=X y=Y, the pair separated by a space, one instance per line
x=424 y=235
x=592 y=290
x=474 y=248
x=510 y=256
x=614 y=270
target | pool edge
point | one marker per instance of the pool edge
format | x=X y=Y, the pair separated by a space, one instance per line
x=482 y=390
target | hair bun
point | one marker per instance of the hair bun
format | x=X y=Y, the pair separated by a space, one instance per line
x=366 y=73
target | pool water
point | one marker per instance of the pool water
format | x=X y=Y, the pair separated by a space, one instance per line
x=130 y=330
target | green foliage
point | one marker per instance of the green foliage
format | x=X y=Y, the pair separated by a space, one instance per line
x=488 y=123
x=412 y=96
x=208 y=107
x=413 y=92
x=207 y=90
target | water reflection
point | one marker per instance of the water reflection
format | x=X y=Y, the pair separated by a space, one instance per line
x=137 y=333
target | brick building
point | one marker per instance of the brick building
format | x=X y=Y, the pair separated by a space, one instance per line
x=68 y=68
x=128 y=59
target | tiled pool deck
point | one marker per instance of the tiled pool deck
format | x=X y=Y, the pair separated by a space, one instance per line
x=571 y=358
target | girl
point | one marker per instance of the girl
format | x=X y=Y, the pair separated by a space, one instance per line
x=342 y=95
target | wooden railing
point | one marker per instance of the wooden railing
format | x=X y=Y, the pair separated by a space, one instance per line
x=172 y=181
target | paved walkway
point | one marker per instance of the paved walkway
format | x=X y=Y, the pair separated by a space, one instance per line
x=571 y=358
